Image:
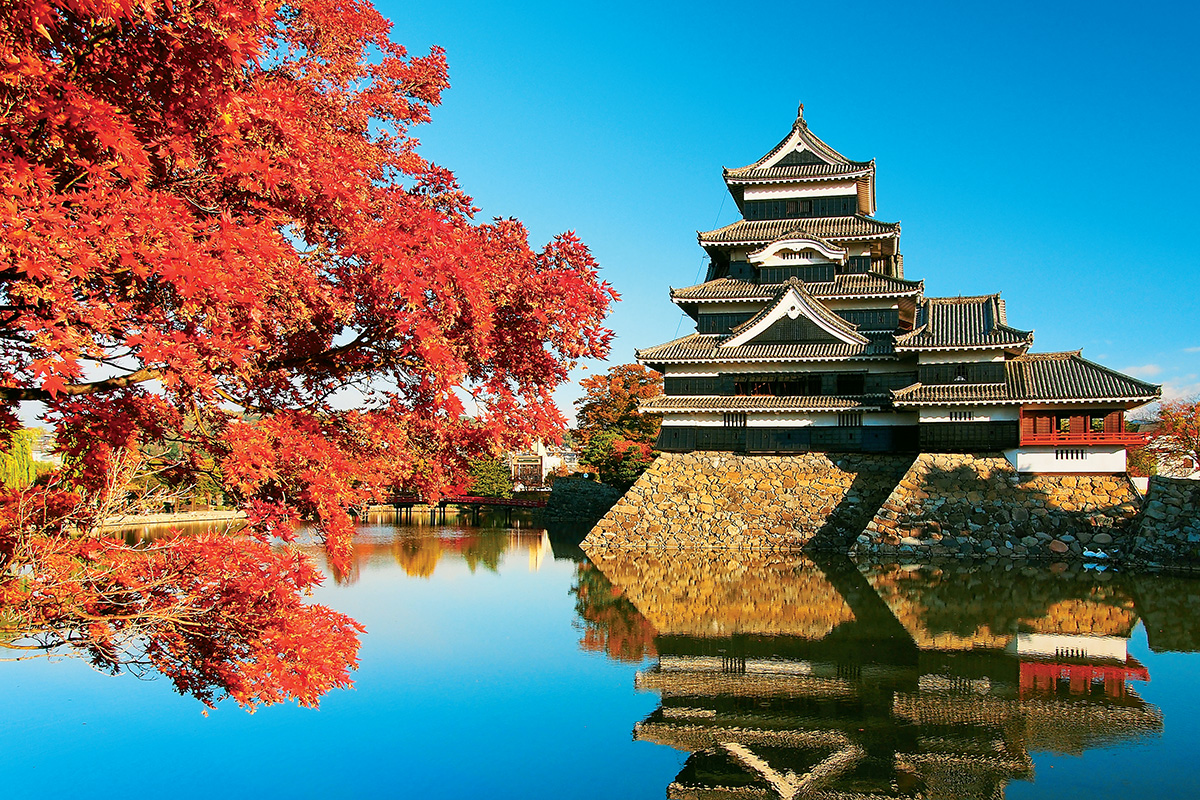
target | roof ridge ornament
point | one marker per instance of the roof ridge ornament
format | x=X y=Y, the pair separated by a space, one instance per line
x=800 y=116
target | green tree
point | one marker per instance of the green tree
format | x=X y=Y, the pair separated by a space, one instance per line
x=491 y=477
x=17 y=467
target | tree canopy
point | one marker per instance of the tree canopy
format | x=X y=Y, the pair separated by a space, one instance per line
x=219 y=234
x=618 y=440
x=1175 y=440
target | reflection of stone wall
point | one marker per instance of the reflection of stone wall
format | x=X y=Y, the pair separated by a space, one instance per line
x=949 y=504
x=716 y=594
x=728 y=501
x=1170 y=609
x=1168 y=531
x=965 y=607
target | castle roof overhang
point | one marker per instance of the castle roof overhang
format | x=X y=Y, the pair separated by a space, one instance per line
x=808 y=173
x=781 y=405
x=963 y=323
x=857 y=227
x=1063 y=378
x=701 y=348
x=859 y=286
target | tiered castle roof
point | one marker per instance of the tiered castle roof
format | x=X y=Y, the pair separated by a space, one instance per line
x=1065 y=377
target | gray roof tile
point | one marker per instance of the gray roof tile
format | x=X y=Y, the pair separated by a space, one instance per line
x=705 y=347
x=764 y=231
x=793 y=403
x=868 y=284
x=1039 y=377
x=962 y=322
x=794 y=171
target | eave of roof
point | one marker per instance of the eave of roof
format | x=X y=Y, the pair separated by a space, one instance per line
x=859 y=285
x=856 y=227
x=963 y=323
x=788 y=404
x=1063 y=378
x=798 y=172
x=704 y=347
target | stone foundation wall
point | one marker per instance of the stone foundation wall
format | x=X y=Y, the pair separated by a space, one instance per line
x=1168 y=530
x=578 y=500
x=729 y=501
x=979 y=506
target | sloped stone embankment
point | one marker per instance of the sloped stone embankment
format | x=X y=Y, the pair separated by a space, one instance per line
x=1168 y=530
x=729 y=501
x=979 y=506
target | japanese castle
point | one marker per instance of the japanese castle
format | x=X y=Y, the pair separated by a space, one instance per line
x=809 y=337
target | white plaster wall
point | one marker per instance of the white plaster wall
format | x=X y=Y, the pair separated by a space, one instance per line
x=982 y=414
x=835 y=304
x=1102 y=460
x=960 y=356
x=1051 y=645
x=781 y=191
x=688 y=371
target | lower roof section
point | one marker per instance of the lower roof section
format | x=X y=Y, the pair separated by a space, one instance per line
x=859 y=285
x=791 y=404
x=1065 y=377
x=700 y=347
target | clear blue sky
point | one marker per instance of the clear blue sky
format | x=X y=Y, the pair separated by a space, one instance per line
x=1041 y=150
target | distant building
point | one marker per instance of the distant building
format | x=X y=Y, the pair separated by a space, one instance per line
x=809 y=337
x=531 y=467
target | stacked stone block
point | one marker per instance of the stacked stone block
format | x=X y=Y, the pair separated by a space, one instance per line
x=729 y=501
x=979 y=506
x=1168 y=531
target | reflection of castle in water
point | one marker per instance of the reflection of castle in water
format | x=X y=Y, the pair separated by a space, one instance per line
x=785 y=679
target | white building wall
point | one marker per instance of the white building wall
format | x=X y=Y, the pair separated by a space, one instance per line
x=1049 y=460
x=979 y=414
x=781 y=191
x=781 y=420
x=959 y=356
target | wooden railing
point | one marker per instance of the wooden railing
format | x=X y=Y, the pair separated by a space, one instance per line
x=1126 y=438
x=469 y=500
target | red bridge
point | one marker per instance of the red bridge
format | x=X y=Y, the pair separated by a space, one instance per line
x=468 y=500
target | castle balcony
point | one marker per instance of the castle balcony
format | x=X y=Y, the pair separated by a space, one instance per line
x=1063 y=438
x=1086 y=427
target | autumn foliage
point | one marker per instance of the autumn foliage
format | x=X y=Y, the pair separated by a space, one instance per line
x=1176 y=438
x=618 y=440
x=218 y=234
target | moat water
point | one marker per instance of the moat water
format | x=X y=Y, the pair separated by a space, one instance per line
x=503 y=663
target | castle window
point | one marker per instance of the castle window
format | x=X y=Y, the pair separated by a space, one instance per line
x=850 y=419
x=962 y=416
x=735 y=419
x=1070 y=454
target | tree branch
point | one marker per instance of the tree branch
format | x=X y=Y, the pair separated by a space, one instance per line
x=14 y=394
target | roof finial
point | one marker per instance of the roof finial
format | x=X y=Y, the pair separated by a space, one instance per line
x=800 y=112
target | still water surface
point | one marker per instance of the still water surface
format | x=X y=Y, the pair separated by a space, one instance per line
x=501 y=663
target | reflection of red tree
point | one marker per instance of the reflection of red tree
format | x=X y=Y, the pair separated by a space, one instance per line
x=220 y=616
x=612 y=625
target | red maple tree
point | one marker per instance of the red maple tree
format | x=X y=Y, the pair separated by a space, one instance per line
x=217 y=234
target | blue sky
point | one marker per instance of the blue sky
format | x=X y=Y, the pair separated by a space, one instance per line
x=1040 y=150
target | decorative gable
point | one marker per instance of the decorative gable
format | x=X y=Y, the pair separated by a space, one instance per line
x=795 y=316
x=795 y=248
